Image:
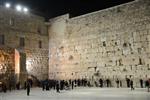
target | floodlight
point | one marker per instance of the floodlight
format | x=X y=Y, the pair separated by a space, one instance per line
x=25 y=9
x=19 y=8
x=7 y=5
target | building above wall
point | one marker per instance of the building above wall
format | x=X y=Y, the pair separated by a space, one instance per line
x=23 y=22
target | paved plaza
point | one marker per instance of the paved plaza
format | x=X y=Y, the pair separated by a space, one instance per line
x=79 y=94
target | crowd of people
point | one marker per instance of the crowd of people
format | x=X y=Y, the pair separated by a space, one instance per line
x=129 y=83
x=62 y=84
x=59 y=85
x=71 y=84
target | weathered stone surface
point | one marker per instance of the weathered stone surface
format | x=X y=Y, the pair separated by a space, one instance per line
x=6 y=63
x=15 y=25
x=113 y=42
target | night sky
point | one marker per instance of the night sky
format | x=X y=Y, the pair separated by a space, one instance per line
x=53 y=8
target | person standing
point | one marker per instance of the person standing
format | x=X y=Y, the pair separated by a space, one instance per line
x=43 y=85
x=107 y=82
x=47 y=86
x=141 y=83
x=101 y=82
x=28 y=88
x=57 y=87
x=147 y=84
x=128 y=82
x=72 y=84
x=120 y=83
x=131 y=84
x=117 y=82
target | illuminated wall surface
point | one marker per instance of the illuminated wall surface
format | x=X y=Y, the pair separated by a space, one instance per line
x=27 y=34
x=112 y=43
x=12 y=66
x=7 y=67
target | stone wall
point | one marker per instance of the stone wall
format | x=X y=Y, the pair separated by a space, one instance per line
x=57 y=41
x=7 y=65
x=15 y=25
x=111 y=43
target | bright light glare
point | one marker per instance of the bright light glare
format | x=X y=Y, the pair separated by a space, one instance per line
x=7 y=5
x=25 y=9
x=19 y=8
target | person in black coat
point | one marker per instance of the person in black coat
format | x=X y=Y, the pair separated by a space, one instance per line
x=120 y=83
x=47 y=86
x=43 y=85
x=117 y=82
x=108 y=83
x=128 y=82
x=131 y=84
x=57 y=87
x=72 y=84
x=141 y=83
x=101 y=82
x=28 y=88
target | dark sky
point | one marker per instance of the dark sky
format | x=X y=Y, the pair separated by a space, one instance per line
x=53 y=8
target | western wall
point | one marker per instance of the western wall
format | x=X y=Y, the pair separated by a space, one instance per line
x=111 y=43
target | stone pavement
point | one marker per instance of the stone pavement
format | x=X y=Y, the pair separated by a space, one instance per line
x=79 y=94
